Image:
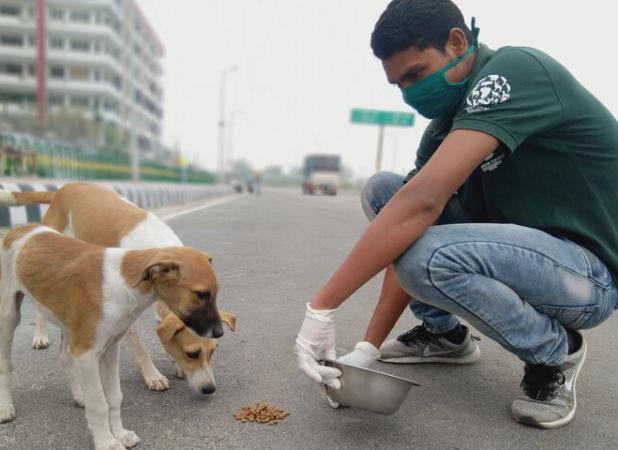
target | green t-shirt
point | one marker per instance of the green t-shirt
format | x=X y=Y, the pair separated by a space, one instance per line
x=556 y=168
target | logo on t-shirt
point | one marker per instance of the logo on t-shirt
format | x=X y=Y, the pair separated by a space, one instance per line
x=490 y=90
x=493 y=161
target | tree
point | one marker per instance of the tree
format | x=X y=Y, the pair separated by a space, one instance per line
x=70 y=125
x=115 y=140
x=242 y=170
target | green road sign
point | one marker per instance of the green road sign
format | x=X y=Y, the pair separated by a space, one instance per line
x=377 y=117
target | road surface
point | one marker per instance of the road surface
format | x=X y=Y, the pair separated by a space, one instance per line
x=271 y=252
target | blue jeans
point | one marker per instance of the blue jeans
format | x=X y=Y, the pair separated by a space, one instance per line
x=519 y=286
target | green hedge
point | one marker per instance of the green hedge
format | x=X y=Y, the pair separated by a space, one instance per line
x=56 y=160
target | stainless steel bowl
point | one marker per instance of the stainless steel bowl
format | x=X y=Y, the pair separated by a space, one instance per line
x=369 y=389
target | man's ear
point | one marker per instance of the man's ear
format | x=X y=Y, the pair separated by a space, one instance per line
x=168 y=327
x=229 y=319
x=164 y=271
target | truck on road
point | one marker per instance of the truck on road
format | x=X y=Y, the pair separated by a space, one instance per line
x=321 y=173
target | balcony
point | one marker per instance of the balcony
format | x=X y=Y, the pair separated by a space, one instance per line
x=18 y=109
x=82 y=58
x=17 y=53
x=88 y=30
x=84 y=87
x=17 y=83
x=11 y=23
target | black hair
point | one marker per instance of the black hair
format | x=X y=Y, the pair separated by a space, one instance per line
x=418 y=23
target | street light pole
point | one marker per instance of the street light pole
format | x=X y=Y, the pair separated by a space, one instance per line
x=224 y=74
x=380 y=147
x=230 y=145
x=394 y=155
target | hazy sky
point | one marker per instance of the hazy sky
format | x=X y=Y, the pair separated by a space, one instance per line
x=303 y=64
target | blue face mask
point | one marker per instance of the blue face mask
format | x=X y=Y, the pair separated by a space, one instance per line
x=435 y=96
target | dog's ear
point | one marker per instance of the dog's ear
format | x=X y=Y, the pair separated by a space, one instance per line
x=164 y=271
x=229 y=319
x=208 y=256
x=168 y=327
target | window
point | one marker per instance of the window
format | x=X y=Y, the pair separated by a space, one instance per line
x=56 y=43
x=80 y=46
x=56 y=72
x=56 y=100
x=14 y=11
x=31 y=41
x=79 y=73
x=80 y=102
x=110 y=106
x=12 y=40
x=31 y=70
x=11 y=69
x=97 y=75
x=21 y=100
x=80 y=16
x=56 y=14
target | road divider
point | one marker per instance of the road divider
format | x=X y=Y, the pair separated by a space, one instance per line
x=144 y=195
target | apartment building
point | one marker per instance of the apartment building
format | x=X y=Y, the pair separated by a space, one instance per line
x=100 y=57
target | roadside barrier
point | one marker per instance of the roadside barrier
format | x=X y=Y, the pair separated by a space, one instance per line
x=145 y=195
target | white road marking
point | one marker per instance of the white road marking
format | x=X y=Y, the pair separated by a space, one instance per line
x=198 y=208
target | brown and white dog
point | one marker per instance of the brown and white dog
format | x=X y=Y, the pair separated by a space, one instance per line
x=100 y=216
x=94 y=294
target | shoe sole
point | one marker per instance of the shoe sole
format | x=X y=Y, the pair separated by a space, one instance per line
x=526 y=420
x=469 y=358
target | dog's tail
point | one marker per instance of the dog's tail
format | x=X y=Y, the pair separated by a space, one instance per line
x=14 y=198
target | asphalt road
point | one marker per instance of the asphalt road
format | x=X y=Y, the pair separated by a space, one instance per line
x=271 y=252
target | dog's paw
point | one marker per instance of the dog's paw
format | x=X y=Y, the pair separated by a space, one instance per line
x=78 y=399
x=40 y=343
x=128 y=438
x=179 y=373
x=109 y=445
x=7 y=413
x=157 y=383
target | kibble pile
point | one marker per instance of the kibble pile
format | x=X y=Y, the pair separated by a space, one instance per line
x=261 y=413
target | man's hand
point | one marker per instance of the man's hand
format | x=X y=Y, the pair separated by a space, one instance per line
x=315 y=341
x=363 y=355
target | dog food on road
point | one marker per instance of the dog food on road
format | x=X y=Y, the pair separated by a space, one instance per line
x=261 y=413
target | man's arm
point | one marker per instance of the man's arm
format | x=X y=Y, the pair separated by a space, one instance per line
x=391 y=304
x=408 y=214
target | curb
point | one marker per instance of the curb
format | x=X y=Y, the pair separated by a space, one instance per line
x=147 y=196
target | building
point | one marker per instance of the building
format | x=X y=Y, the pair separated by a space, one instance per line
x=100 y=57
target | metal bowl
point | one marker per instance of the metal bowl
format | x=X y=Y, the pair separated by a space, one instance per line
x=369 y=389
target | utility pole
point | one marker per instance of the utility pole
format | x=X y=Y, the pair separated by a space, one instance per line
x=129 y=111
x=382 y=119
x=41 y=66
x=230 y=144
x=221 y=158
x=380 y=147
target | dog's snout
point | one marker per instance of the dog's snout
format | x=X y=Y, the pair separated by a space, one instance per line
x=207 y=390
x=205 y=321
x=217 y=331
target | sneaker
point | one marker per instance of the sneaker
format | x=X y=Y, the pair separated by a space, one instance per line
x=420 y=346
x=548 y=399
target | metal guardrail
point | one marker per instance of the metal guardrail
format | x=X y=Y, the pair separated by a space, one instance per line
x=145 y=195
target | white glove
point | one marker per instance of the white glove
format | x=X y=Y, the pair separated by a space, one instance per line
x=363 y=355
x=315 y=341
